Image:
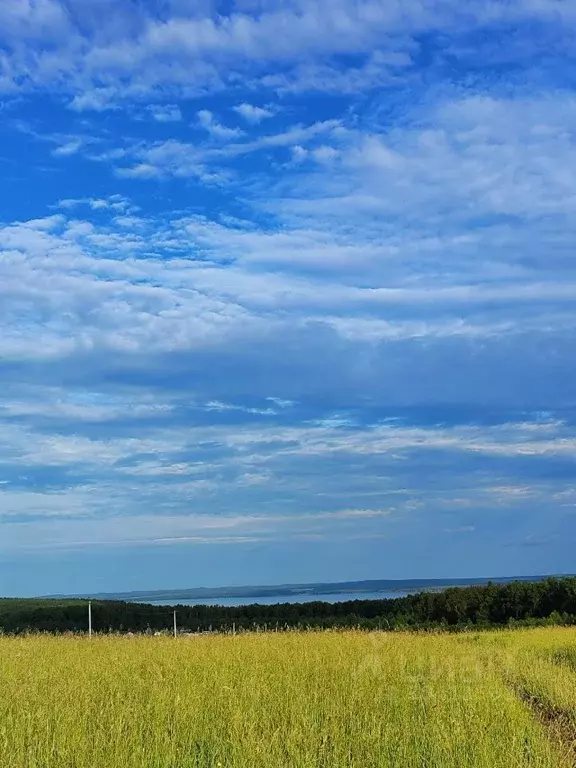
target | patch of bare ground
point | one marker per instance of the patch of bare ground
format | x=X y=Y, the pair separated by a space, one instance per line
x=559 y=724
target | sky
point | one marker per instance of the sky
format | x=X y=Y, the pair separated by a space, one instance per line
x=287 y=291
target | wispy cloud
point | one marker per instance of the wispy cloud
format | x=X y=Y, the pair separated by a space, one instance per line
x=297 y=273
x=252 y=113
x=114 y=202
x=214 y=128
x=165 y=113
x=141 y=54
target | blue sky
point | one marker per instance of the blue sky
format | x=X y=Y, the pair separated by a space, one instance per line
x=287 y=291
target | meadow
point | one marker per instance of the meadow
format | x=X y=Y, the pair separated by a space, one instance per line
x=338 y=698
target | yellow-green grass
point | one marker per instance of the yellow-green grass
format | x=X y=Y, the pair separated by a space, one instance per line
x=296 y=699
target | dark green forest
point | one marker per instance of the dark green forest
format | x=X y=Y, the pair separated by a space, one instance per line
x=518 y=603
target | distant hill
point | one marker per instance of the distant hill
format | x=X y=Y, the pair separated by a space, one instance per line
x=291 y=590
x=528 y=601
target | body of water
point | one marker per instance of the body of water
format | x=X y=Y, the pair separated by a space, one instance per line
x=336 y=597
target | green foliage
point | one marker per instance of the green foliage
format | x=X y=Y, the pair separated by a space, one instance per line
x=552 y=601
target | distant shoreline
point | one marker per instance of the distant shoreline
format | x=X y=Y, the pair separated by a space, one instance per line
x=293 y=590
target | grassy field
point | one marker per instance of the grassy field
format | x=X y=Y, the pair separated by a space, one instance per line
x=320 y=699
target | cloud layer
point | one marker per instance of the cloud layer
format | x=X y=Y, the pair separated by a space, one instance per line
x=288 y=275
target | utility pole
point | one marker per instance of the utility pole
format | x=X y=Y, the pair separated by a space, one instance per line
x=175 y=627
x=89 y=618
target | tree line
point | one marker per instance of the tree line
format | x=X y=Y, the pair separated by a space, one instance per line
x=552 y=601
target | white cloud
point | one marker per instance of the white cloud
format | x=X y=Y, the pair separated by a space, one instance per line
x=214 y=128
x=165 y=468
x=292 y=135
x=217 y=405
x=252 y=113
x=114 y=202
x=478 y=155
x=158 y=359
x=461 y=529
x=70 y=148
x=59 y=404
x=155 y=529
x=138 y=55
x=141 y=171
x=130 y=222
x=299 y=153
x=65 y=144
x=169 y=158
x=157 y=447
x=165 y=113
x=72 y=286
x=209 y=162
x=380 y=68
x=96 y=99
x=26 y=503
x=33 y=19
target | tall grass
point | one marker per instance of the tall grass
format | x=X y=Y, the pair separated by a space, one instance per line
x=312 y=699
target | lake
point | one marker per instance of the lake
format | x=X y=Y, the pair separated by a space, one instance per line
x=336 y=597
